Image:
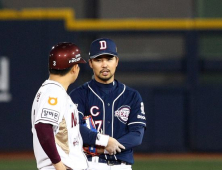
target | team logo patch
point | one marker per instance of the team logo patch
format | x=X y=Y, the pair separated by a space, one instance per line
x=103 y=45
x=50 y=114
x=123 y=113
x=52 y=101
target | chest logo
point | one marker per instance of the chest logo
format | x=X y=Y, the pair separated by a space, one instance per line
x=94 y=110
x=123 y=113
x=52 y=101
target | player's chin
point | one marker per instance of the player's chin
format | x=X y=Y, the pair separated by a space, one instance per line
x=105 y=78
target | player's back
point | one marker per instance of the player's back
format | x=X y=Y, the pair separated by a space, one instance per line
x=40 y=108
x=52 y=105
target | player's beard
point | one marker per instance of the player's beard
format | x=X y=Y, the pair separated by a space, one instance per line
x=105 y=78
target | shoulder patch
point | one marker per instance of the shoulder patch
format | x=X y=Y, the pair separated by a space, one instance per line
x=52 y=101
x=49 y=114
x=122 y=113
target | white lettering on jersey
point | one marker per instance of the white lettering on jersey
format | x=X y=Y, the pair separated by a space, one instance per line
x=92 y=111
x=103 y=45
x=5 y=96
x=50 y=114
x=98 y=124
x=142 y=108
x=141 y=117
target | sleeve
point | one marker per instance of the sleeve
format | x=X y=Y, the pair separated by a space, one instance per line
x=137 y=114
x=133 y=138
x=47 y=141
x=136 y=123
x=91 y=136
x=88 y=136
x=50 y=111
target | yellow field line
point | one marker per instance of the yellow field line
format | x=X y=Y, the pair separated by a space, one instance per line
x=72 y=24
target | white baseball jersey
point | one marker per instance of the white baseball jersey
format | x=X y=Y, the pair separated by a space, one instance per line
x=52 y=105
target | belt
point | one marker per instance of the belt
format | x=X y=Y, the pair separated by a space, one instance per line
x=108 y=162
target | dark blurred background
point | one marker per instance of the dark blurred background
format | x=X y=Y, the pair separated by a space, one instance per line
x=177 y=69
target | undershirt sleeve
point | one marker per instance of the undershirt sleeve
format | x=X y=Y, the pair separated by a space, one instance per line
x=133 y=138
x=88 y=136
x=47 y=141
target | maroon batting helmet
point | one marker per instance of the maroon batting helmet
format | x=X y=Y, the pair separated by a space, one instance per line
x=64 y=55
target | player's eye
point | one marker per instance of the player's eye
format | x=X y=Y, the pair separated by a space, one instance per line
x=98 y=60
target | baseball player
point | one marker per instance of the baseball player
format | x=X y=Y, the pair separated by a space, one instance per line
x=55 y=122
x=116 y=109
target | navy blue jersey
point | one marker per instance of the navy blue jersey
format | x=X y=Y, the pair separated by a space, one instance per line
x=117 y=111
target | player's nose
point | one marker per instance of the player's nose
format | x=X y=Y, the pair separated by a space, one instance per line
x=104 y=63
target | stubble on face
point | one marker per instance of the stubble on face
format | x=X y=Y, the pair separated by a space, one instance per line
x=106 y=74
x=103 y=77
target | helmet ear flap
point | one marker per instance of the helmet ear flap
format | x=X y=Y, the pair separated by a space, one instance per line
x=64 y=55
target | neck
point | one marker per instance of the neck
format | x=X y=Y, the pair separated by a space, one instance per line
x=60 y=79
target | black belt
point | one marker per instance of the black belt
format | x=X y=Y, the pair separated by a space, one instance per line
x=109 y=162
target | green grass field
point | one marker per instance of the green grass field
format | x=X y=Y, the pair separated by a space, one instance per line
x=140 y=164
x=178 y=165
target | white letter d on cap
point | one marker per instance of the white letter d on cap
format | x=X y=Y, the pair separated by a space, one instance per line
x=102 y=45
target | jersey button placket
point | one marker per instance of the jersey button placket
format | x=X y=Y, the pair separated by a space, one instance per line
x=108 y=120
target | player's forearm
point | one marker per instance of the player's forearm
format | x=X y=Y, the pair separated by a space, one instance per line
x=132 y=139
x=93 y=138
x=47 y=141
x=88 y=136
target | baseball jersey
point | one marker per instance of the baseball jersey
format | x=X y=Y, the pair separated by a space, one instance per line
x=52 y=105
x=114 y=109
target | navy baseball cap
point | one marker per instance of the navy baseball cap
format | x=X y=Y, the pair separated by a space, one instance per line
x=102 y=46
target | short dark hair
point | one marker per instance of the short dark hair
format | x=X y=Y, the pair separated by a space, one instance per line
x=60 y=72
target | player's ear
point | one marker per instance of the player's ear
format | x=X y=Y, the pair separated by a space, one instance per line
x=75 y=68
x=117 y=60
x=90 y=63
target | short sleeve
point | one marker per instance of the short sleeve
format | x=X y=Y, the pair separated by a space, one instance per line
x=137 y=112
x=50 y=108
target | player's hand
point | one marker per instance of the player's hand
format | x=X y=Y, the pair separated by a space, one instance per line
x=113 y=146
x=59 y=166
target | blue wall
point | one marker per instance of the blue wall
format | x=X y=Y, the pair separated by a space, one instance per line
x=180 y=118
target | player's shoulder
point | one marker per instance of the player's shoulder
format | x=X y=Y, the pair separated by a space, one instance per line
x=53 y=88
x=130 y=92
x=52 y=92
x=80 y=89
x=128 y=89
